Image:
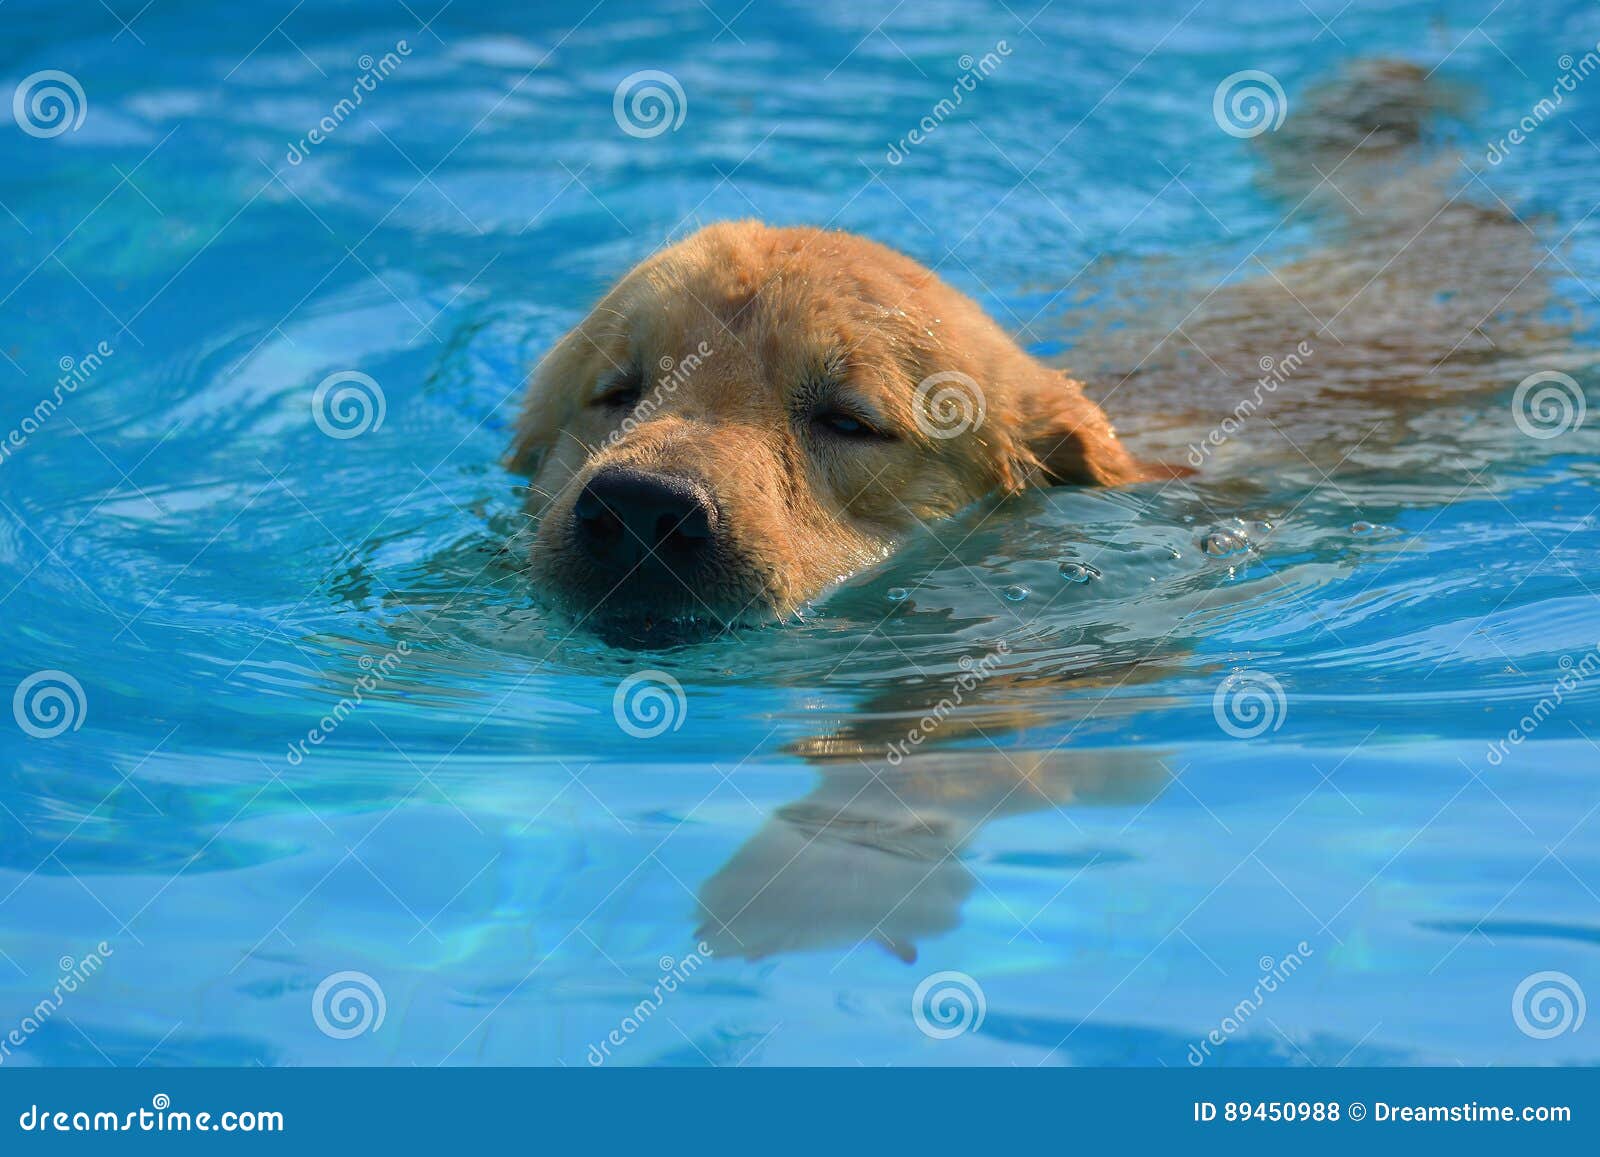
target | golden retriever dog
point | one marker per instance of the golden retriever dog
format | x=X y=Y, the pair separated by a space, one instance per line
x=754 y=413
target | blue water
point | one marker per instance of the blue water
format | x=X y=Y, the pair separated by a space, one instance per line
x=481 y=839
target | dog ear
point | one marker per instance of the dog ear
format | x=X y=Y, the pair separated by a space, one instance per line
x=524 y=455
x=530 y=439
x=547 y=408
x=1066 y=439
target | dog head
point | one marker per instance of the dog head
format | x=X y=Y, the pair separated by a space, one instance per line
x=754 y=413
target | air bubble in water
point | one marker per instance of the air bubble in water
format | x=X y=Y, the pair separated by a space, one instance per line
x=1078 y=572
x=1224 y=544
x=1016 y=594
x=898 y=594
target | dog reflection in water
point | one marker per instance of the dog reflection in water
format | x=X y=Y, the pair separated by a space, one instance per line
x=873 y=855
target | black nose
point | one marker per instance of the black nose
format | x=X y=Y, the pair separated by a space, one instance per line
x=626 y=516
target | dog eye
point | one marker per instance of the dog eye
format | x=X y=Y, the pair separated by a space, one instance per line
x=619 y=390
x=845 y=425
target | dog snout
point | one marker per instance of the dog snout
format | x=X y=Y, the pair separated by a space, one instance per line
x=625 y=516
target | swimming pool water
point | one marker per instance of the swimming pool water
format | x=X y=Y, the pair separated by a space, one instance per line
x=512 y=862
